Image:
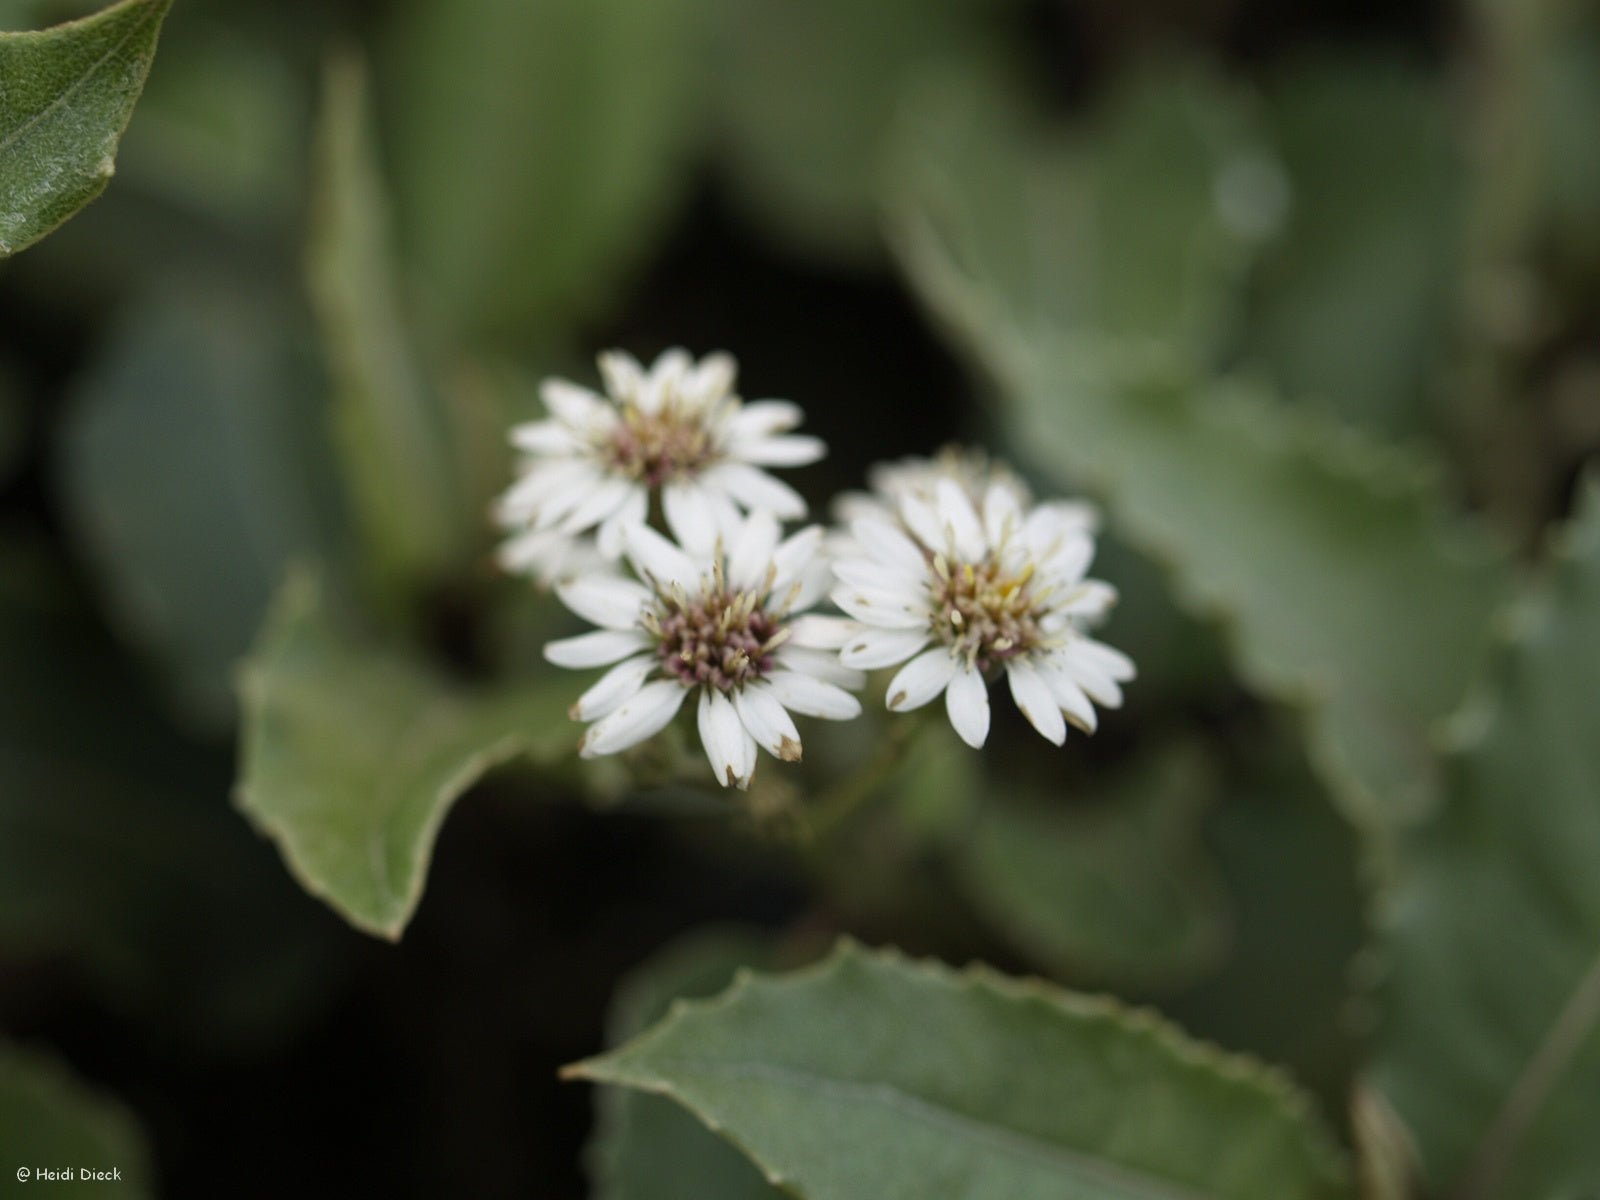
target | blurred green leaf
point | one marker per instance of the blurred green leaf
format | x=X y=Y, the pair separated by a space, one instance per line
x=68 y=96
x=50 y=1119
x=395 y=442
x=978 y=1085
x=1355 y=299
x=1127 y=231
x=352 y=756
x=1114 y=889
x=1490 y=1046
x=806 y=95
x=1345 y=587
x=1567 y=104
x=194 y=470
x=582 y=113
x=119 y=857
x=645 y=1147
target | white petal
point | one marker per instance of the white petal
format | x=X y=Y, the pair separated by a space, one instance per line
x=711 y=380
x=821 y=664
x=791 y=450
x=967 y=702
x=821 y=633
x=762 y=418
x=583 y=485
x=595 y=649
x=1035 y=702
x=530 y=553
x=890 y=610
x=794 y=556
x=622 y=374
x=755 y=489
x=605 y=499
x=1069 y=697
x=768 y=721
x=654 y=556
x=883 y=647
x=545 y=437
x=614 y=687
x=923 y=678
x=1002 y=515
x=922 y=519
x=613 y=530
x=724 y=738
x=1089 y=601
x=643 y=715
x=522 y=500
x=888 y=545
x=690 y=517
x=1112 y=663
x=958 y=515
x=576 y=407
x=608 y=601
x=1102 y=689
x=813 y=697
x=750 y=554
x=884 y=577
x=1067 y=560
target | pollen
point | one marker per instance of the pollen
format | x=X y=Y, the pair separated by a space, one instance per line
x=671 y=443
x=986 y=613
x=720 y=638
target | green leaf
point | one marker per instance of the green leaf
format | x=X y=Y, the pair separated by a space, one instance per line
x=49 y=1119
x=1344 y=586
x=391 y=431
x=1490 y=1045
x=1371 y=248
x=194 y=470
x=645 y=1147
x=806 y=97
x=352 y=756
x=68 y=95
x=1113 y=888
x=875 y=1076
x=582 y=112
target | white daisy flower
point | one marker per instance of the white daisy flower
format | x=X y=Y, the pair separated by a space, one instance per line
x=728 y=628
x=959 y=591
x=676 y=433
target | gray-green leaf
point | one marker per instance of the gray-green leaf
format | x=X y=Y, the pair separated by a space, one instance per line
x=646 y=1147
x=194 y=470
x=872 y=1077
x=393 y=438
x=66 y=95
x=583 y=114
x=49 y=1119
x=354 y=754
x=1490 y=1047
x=1111 y=889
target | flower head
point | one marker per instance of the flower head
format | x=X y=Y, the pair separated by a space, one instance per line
x=676 y=432
x=728 y=627
x=967 y=589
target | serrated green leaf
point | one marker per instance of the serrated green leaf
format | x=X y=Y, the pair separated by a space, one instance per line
x=120 y=861
x=1113 y=889
x=393 y=438
x=582 y=112
x=49 y=1119
x=194 y=471
x=352 y=756
x=1372 y=242
x=877 y=1077
x=1490 y=1045
x=67 y=96
x=1344 y=585
x=645 y=1147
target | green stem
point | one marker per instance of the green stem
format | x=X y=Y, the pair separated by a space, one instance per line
x=842 y=801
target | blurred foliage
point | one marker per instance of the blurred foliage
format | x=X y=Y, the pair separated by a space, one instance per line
x=1304 y=297
x=65 y=1127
